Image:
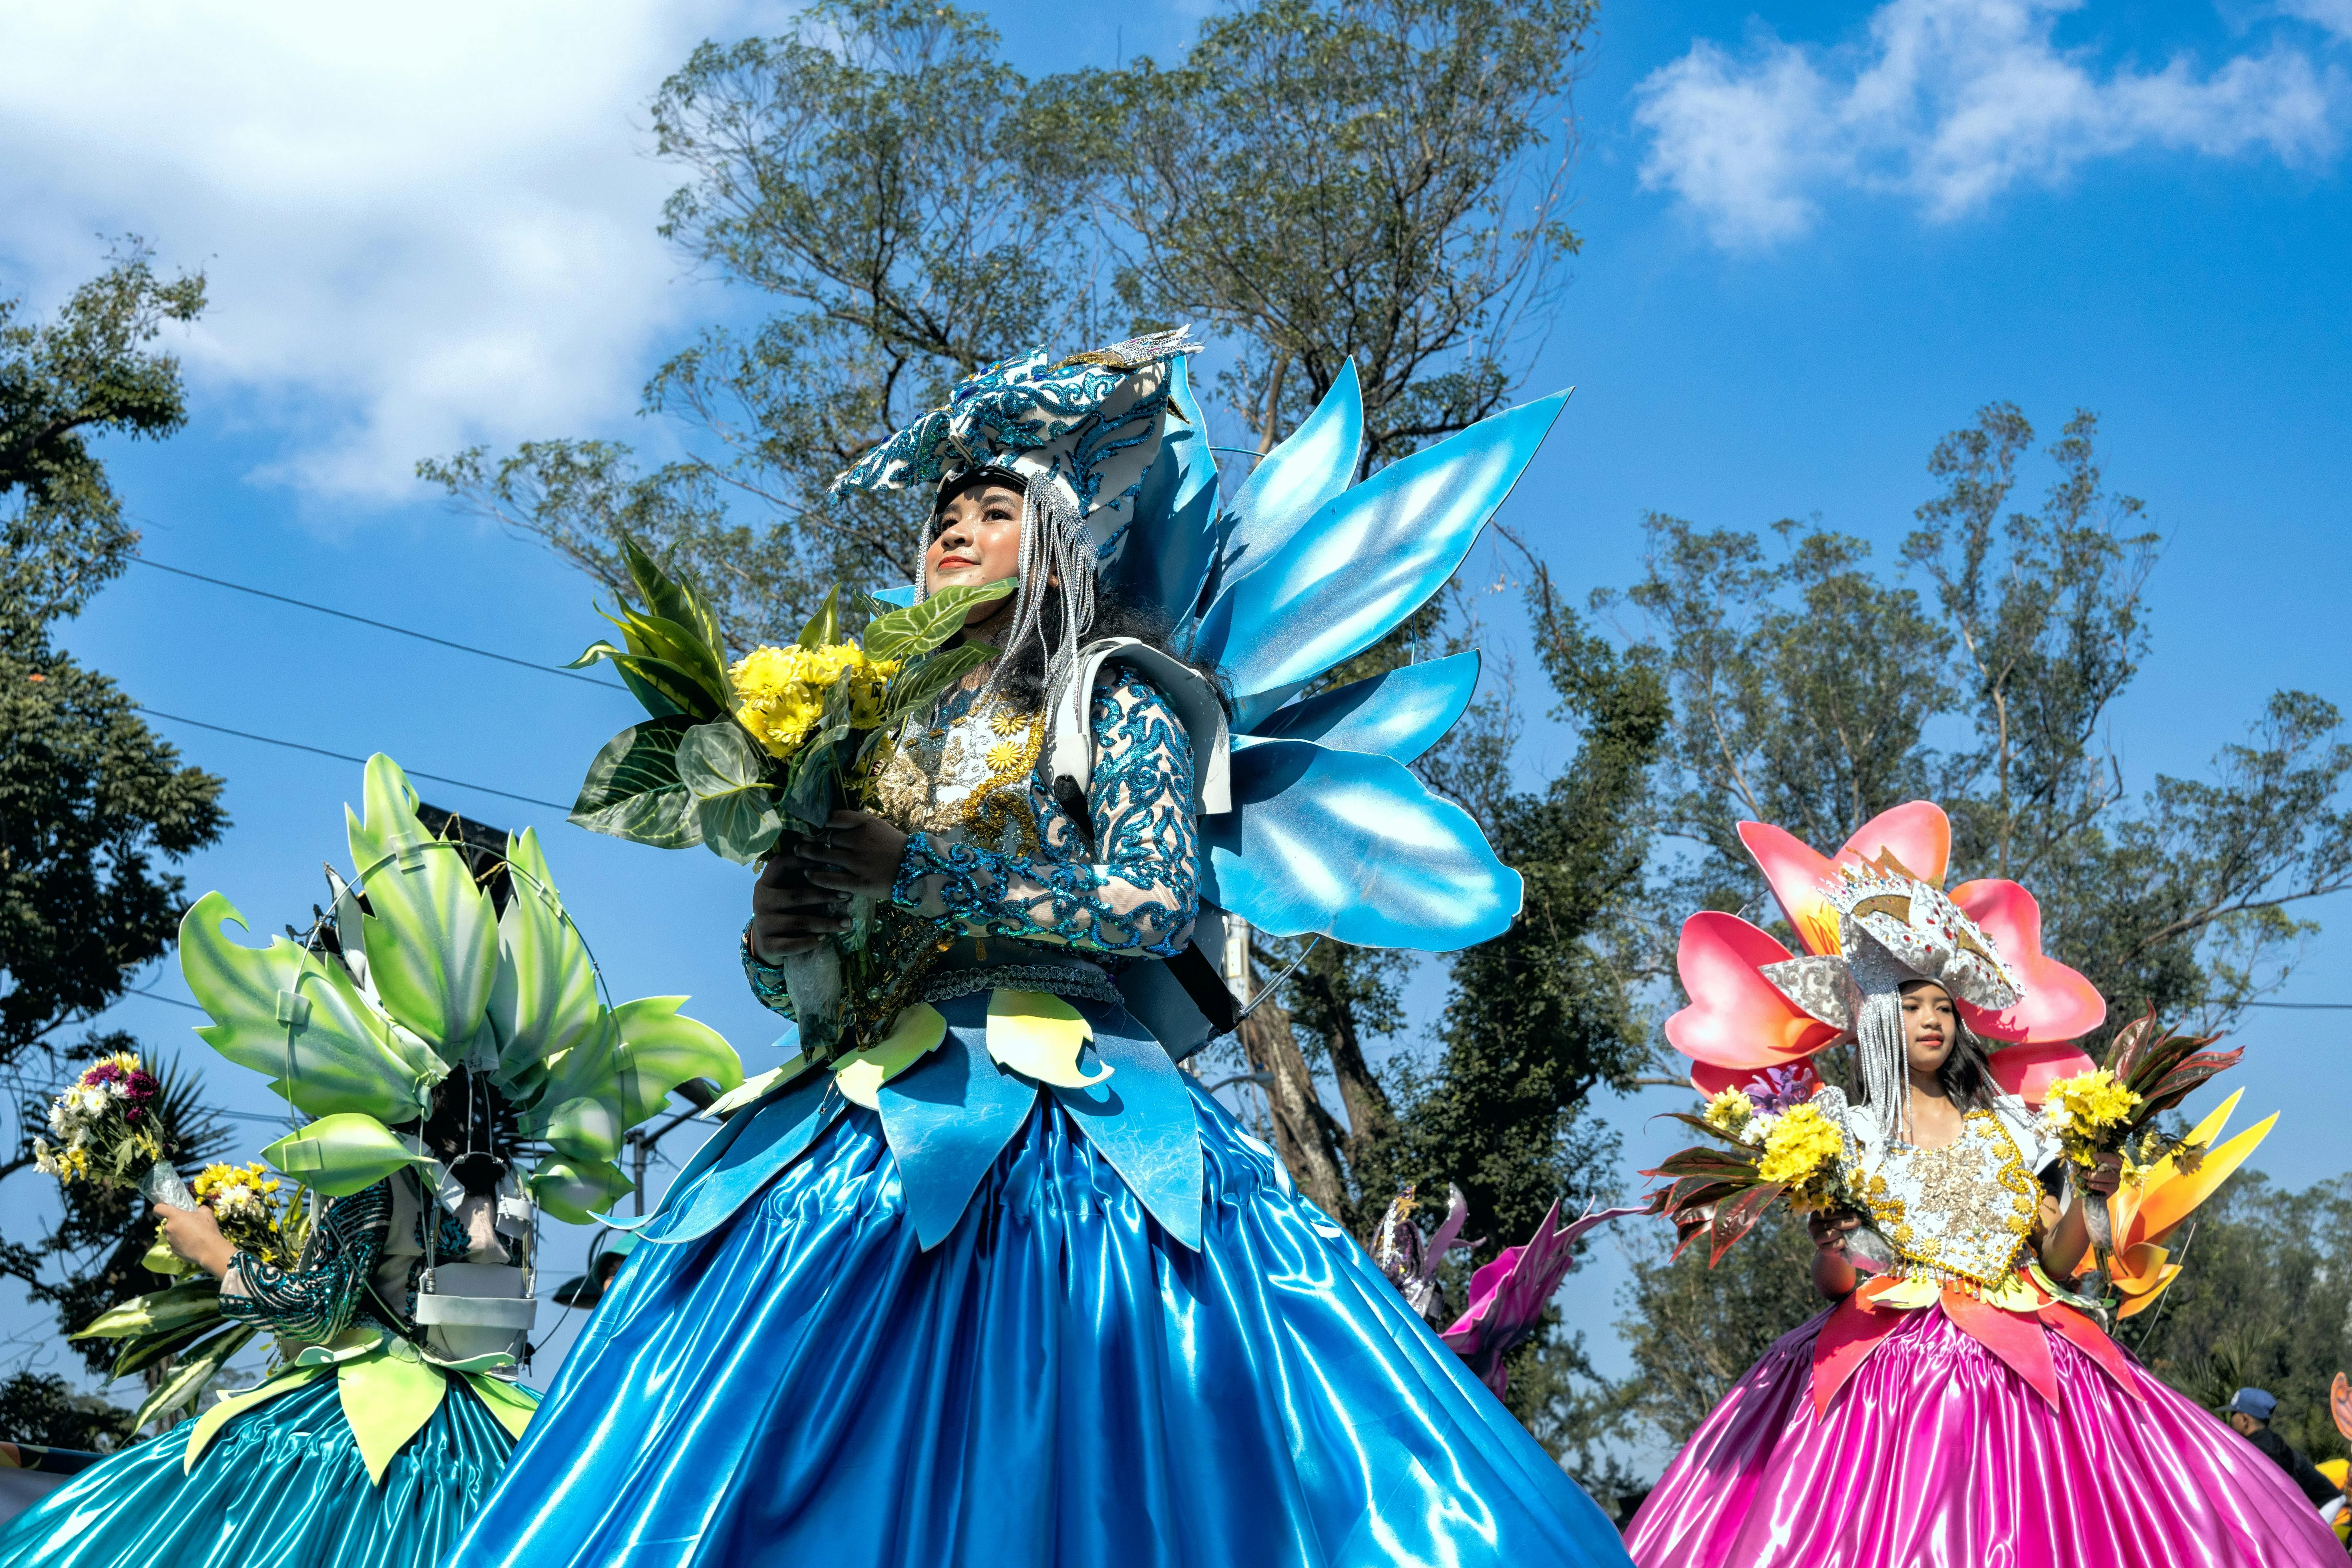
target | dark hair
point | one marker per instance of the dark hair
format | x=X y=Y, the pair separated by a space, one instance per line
x=1022 y=677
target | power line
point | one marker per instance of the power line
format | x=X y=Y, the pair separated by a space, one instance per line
x=347 y=757
x=175 y=1001
x=380 y=625
x=2307 y=1006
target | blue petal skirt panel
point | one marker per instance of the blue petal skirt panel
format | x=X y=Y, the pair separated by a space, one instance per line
x=1055 y=1383
x=282 y=1485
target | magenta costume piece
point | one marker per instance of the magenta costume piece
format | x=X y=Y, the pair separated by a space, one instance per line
x=1934 y=1454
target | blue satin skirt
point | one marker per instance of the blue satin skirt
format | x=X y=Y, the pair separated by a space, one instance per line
x=1056 y=1383
x=282 y=1485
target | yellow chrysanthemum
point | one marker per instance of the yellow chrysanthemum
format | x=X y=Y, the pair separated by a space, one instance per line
x=782 y=689
x=2088 y=1102
x=1801 y=1150
x=1729 y=1111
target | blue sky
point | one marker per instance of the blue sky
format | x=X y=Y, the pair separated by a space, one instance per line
x=1815 y=238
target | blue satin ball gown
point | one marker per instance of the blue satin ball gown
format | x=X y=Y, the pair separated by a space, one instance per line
x=970 y=1299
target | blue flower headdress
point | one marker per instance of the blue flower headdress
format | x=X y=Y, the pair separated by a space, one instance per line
x=1081 y=433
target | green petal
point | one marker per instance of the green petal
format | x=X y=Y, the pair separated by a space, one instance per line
x=577 y=1191
x=279 y=1008
x=432 y=942
x=339 y=1155
x=387 y=1400
x=544 y=999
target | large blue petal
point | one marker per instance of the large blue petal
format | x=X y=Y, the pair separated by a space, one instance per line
x=1163 y=558
x=1353 y=846
x=1142 y=1121
x=949 y=1117
x=1294 y=480
x=902 y=595
x=1400 y=714
x=743 y=1157
x=1364 y=561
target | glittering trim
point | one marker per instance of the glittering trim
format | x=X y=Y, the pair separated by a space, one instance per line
x=1061 y=980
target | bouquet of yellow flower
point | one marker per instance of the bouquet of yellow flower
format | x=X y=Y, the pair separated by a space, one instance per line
x=734 y=754
x=1777 y=1152
x=2112 y=1110
x=244 y=1199
x=113 y=1131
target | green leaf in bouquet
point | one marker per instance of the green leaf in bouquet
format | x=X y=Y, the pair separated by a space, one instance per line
x=918 y=686
x=824 y=626
x=663 y=688
x=910 y=631
x=139 y=1354
x=674 y=599
x=161 y=1259
x=339 y=1155
x=184 y=1384
x=653 y=636
x=280 y=1009
x=633 y=790
x=544 y=1001
x=661 y=1048
x=727 y=773
x=157 y=1312
x=431 y=937
x=577 y=1191
x=813 y=787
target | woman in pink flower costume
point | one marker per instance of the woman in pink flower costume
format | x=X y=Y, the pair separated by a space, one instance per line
x=1953 y=1406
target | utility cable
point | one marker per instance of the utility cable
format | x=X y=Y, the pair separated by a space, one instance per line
x=2307 y=1006
x=346 y=757
x=380 y=625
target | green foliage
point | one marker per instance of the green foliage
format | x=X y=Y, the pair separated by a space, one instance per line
x=1317 y=181
x=864 y=171
x=1541 y=1016
x=2263 y=1300
x=92 y=804
x=1693 y=1331
x=89 y=373
x=43 y=1408
x=1806 y=681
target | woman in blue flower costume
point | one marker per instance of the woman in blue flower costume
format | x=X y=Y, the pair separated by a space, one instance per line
x=1004 y=1284
x=426 y=1034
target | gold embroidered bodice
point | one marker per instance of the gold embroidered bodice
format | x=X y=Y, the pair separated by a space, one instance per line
x=1962 y=1212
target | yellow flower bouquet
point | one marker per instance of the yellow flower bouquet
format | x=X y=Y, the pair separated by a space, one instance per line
x=1779 y=1152
x=736 y=753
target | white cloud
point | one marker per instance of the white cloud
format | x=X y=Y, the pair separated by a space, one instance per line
x=1949 y=102
x=2335 y=16
x=423 y=225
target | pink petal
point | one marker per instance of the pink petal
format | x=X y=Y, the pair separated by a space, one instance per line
x=2028 y=1071
x=1917 y=832
x=1736 y=1017
x=1796 y=872
x=2058 y=1003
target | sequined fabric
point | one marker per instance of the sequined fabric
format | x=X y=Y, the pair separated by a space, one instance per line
x=1961 y=1212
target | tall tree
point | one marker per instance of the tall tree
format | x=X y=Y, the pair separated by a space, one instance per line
x=865 y=172
x=1378 y=184
x=92 y=804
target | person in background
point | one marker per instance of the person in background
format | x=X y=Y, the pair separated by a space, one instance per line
x=2250 y=1411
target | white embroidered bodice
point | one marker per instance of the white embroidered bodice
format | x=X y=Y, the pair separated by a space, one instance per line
x=1965 y=1211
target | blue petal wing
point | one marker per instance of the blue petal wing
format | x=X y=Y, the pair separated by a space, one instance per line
x=1142 y=1121
x=950 y=1117
x=1399 y=714
x=1164 y=556
x=1365 y=561
x=902 y=595
x=1291 y=482
x=1351 y=844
